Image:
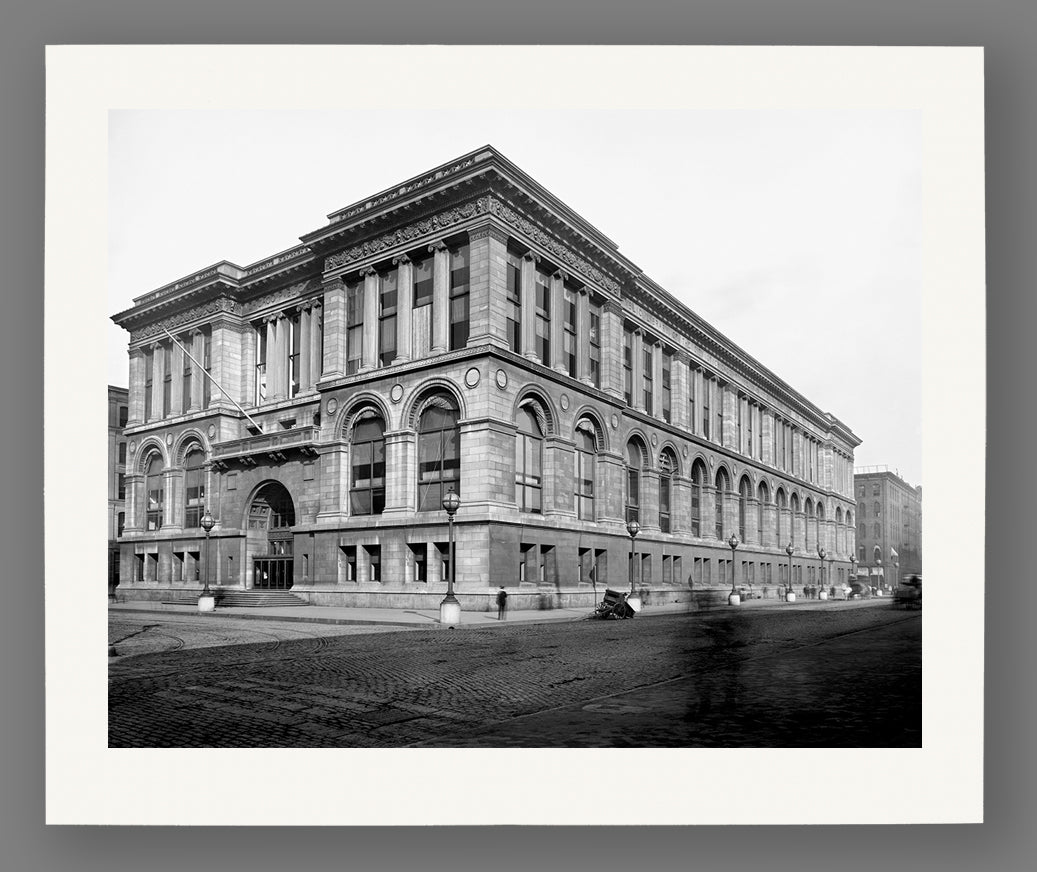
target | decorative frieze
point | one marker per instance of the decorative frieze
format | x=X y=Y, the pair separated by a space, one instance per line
x=281 y=296
x=173 y=322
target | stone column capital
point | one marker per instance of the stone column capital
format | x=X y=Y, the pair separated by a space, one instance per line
x=401 y=259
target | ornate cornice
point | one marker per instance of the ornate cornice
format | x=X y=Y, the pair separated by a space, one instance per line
x=290 y=293
x=300 y=251
x=205 y=310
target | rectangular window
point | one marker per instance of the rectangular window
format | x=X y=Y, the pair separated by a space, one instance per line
x=646 y=570
x=121 y=523
x=374 y=563
x=122 y=486
x=124 y=415
x=186 y=391
x=138 y=567
x=628 y=366
x=514 y=302
x=677 y=571
x=387 y=296
x=443 y=548
x=122 y=452
x=261 y=364
x=167 y=379
x=595 y=344
x=707 y=386
x=419 y=554
x=149 y=381
x=206 y=367
x=294 y=353
x=354 y=325
x=667 y=569
x=459 y=278
x=667 y=363
x=542 y=286
x=569 y=332
x=647 y=378
x=421 y=320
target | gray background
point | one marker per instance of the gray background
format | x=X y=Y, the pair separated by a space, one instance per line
x=1005 y=29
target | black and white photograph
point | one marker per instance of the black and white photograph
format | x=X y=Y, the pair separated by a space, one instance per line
x=478 y=424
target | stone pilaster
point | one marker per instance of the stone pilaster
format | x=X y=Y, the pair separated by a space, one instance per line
x=557 y=325
x=198 y=377
x=527 y=296
x=657 y=381
x=157 y=374
x=488 y=286
x=316 y=342
x=369 y=358
x=135 y=508
x=708 y=510
x=400 y=472
x=404 y=308
x=135 y=411
x=609 y=488
x=679 y=375
x=612 y=349
x=637 y=394
x=172 y=500
x=680 y=505
x=305 y=340
x=334 y=482
x=334 y=329
x=559 y=459
x=649 y=499
x=583 y=331
x=440 y=297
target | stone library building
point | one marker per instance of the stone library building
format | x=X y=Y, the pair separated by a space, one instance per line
x=464 y=331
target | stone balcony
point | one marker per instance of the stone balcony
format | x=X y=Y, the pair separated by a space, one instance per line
x=266 y=447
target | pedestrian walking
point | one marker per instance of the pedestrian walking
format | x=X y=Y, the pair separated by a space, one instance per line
x=502 y=603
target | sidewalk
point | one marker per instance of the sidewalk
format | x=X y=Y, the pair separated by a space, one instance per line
x=430 y=617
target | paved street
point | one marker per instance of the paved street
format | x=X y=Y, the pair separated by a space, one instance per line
x=836 y=675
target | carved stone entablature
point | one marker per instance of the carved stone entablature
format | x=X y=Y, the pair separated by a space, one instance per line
x=559 y=251
x=173 y=322
x=389 y=196
x=283 y=295
x=403 y=235
x=171 y=289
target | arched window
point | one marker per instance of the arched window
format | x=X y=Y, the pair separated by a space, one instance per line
x=586 y=462
x=194 y=488
x=877 y=509
x=635 y=463
x=529 y=462
x=744 y=492
x=367 y=462
x=878 y=554
x=439 y=453
x=779 y=501
x=763 y=494
x=155 y=490
x=860 y=554
x=698 y=479
x=878 y=531
x=723 y=486
x=861 y=510
x=667 y=467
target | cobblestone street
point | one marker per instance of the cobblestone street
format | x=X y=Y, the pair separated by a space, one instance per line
x=842 y=676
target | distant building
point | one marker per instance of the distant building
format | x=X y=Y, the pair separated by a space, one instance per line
x=118 y=412
x=464 y=330
x=889 y=526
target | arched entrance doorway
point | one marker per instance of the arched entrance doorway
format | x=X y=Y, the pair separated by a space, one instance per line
x=271 y=517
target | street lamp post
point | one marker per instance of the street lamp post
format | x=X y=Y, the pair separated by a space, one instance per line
x=633 y=528
x=450 y=608
x=896 y=574
x=822 y=594
x=207 y=602
x=734 y=598
x=853 y=571
x=790 y=594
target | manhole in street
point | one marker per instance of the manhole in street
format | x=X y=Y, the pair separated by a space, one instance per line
x=614 y=708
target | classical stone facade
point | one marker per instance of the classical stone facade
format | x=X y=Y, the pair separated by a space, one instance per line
x=889 y=526
x=464 y=330
x=118 y=412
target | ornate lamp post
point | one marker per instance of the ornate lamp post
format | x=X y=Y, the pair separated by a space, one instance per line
x=633 y=528
x=207 y=602
x=450 y=608
x=822 y=593
x=790 y=594
x=853 y=571
x=734 y=598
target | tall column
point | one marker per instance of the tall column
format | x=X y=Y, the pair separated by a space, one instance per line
x=488 y=286
x=731 y=515
x=637 y=391
x=708 y=511
x=271 y=357
x=134 y=503
x=157 y=374
x=172 y=499
x=303 y=351
x=770 y=526
x=679 y=375
x=404 y=308
x=557 y=326
x=752 y=532
x=612 y=349
x=528 y=301
x=610 y=471
x=559 y=466
x=316 y=342
x=680 y=505
x=440 y=297
x=334 y=363
x=198 y=377
x=583 y=332
x=135 y=412
x=176 y=394
x=334 y=482
x=650 y=499
x=369 y=360
x=728 y=400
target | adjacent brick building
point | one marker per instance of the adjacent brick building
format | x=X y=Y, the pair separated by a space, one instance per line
x=464 y=330
x=889 y=526
x=118 y=411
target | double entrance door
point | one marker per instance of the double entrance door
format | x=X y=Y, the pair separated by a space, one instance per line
x=274 y=571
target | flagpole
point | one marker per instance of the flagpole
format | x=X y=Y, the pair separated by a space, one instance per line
x=209 y=375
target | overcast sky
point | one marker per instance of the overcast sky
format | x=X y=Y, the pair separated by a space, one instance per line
x=795 y=233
